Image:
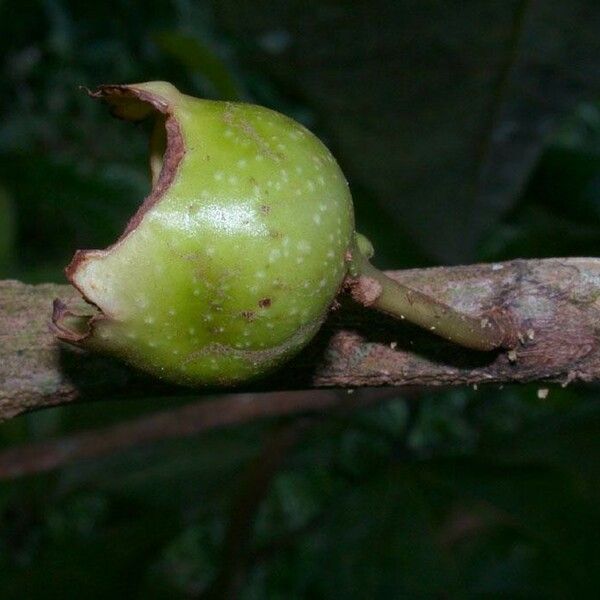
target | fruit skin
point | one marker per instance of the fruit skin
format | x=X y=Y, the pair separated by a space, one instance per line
x=232 y=262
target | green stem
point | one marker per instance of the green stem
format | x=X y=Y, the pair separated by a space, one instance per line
x=478 y=333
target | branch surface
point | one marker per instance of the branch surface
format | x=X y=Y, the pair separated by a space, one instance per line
x=553 y=307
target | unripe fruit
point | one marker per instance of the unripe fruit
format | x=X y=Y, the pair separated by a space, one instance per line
x=230 y=265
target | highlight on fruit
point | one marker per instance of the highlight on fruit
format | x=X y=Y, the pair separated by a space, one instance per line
x=232 y=262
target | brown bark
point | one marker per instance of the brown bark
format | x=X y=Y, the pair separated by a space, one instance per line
x=553 y=306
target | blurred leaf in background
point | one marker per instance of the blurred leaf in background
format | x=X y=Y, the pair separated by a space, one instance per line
x=468 y=130
x=440 y=109
x=200 y=60
x=7 y=233
x=559 y=211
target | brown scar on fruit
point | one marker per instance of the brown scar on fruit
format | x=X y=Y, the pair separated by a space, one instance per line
x=264 y=302
x=248 y=315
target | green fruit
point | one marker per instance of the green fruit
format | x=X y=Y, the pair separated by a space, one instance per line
x=232 y=262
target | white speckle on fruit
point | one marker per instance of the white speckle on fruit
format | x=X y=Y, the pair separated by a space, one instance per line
x=310 y=186
x=274 y=255
x=172 y=312
x=196 y=292
x=242 y=163
x=149 y=320
x=317 y=219
x=218 y=175
x=260 y=274
x=210 y=251
x=303 y=246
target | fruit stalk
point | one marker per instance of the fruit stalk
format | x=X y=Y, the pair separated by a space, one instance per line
x=375 y=289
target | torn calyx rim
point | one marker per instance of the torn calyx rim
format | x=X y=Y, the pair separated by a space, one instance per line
x=130 y=103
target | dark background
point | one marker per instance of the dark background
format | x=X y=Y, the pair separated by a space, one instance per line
x=469 y=131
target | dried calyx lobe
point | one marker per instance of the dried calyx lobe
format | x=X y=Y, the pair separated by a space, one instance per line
x=249 y=214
